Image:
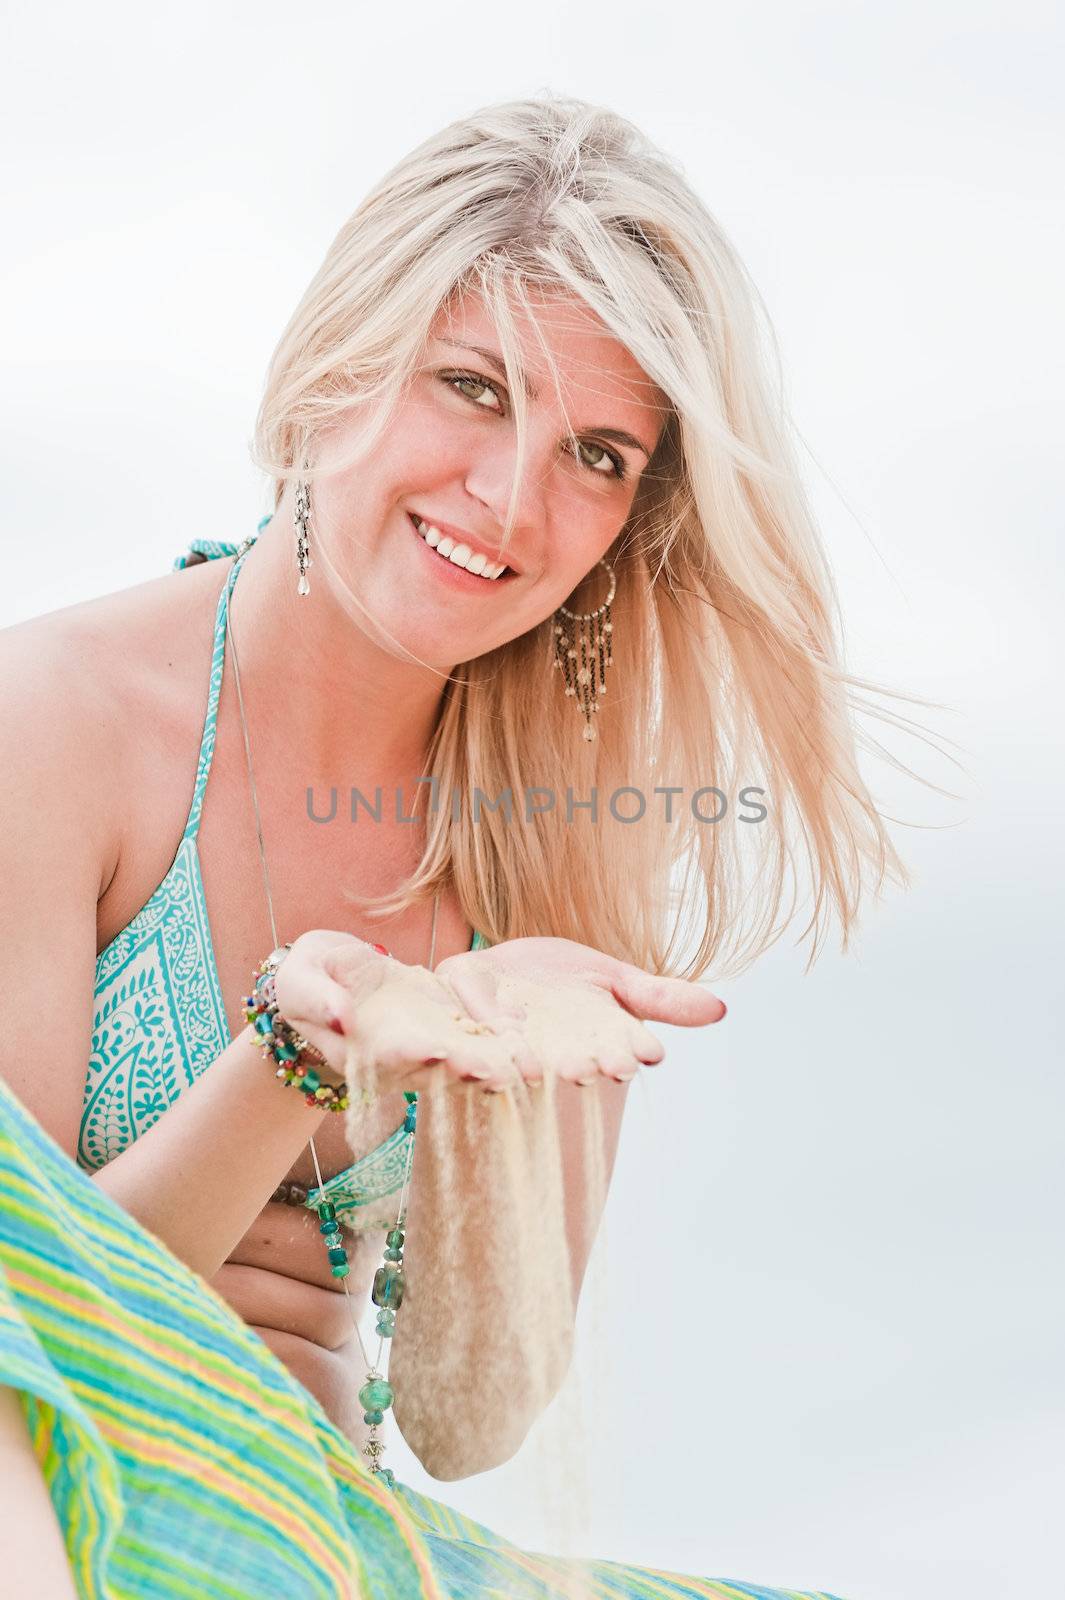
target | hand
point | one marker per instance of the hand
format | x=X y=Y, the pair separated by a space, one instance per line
x=523 y=1009
x=320 y=984
x=570 y=1010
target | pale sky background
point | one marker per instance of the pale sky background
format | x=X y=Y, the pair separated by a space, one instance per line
x=830 y=1352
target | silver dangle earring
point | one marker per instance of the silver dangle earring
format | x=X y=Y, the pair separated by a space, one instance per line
x=303 y=559
x=584 y=649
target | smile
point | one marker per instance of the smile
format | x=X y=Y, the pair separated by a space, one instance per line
x=459 y=555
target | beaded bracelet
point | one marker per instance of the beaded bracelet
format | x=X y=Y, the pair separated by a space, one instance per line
x=297 y=1060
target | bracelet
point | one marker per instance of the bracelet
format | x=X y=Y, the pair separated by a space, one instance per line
x=297 y=1060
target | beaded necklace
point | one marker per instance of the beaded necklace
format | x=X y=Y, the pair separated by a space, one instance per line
x=376 y=1394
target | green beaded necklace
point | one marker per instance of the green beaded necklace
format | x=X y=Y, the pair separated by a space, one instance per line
x=279 y=1040
x=377 y=1394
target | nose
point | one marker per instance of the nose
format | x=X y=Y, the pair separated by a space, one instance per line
x=490 y=480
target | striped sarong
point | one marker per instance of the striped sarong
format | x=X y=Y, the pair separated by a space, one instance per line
x=184 y=1460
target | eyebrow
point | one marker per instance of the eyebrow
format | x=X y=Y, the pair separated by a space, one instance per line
x=495 y=359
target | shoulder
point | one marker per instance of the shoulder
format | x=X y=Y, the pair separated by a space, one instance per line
x=150 y=619
x=83 y=690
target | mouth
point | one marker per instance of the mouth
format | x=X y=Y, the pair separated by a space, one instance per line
x=458 y=555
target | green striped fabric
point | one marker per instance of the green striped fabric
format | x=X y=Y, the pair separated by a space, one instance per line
x=185 y=1461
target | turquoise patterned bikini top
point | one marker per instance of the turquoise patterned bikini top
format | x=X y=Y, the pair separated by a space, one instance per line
x=158 y=1016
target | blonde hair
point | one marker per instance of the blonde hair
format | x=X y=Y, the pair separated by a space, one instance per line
x=727 y=666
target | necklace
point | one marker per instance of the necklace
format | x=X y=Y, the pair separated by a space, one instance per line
x=377 y=1394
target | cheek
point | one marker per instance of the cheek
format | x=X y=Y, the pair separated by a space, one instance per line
x=418 y=454
x=581 y=536
x=415 y=451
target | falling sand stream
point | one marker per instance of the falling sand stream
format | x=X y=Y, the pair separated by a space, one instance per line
x=510 y=1320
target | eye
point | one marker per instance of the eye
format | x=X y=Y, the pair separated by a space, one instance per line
x=463 y=382
x=616 y=466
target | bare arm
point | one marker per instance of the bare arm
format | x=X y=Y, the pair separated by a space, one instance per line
x=200 y=1176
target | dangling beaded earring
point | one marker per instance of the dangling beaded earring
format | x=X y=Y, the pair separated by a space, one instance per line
x=303 y=559
x=583 y=652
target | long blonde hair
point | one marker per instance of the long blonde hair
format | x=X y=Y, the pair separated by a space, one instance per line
x=727 y=667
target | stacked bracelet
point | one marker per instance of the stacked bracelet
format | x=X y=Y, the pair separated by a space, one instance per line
x=297 y=1061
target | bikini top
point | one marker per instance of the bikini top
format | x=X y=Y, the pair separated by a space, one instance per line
x=158 y=1016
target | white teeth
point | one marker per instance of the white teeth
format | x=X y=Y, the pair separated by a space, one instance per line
x=460 y=555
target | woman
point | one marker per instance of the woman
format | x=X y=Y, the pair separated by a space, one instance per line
x=537 y=531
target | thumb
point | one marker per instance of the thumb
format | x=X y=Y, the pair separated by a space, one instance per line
x=309 y=997
x=659 y=999
x=482 y=994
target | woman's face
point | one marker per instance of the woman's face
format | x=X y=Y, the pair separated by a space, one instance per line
x=448 y=460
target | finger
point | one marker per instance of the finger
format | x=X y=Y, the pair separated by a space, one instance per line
x=501 y=1059
x=516 y=1064
x=646 y=1046
x=460 y=1057
x=305 y=991
x=532 y=1070
x=478 y=992
x=513 y=1064
x=413 y=1072
x=676 y=1000
x=617 y=1063
x=361 y=972
x=580 y=1069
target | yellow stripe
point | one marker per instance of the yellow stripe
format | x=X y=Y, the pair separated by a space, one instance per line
x=232 y=1327
x=268 y=1508
x=283 y=1407
x=138 y=1416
